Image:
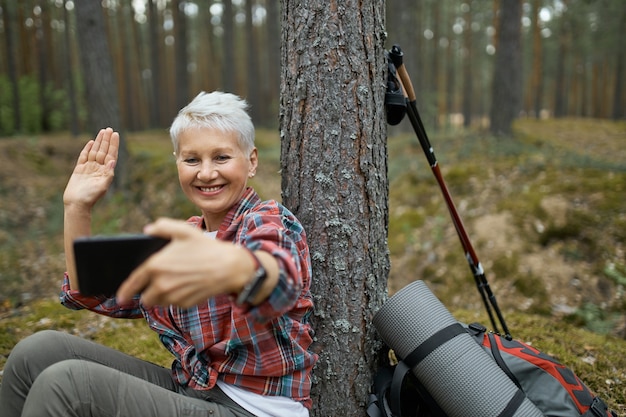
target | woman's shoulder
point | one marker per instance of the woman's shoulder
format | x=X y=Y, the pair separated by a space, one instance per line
x=266 y=210
x=271 y=207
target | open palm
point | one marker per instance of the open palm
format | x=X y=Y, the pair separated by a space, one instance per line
x=94 y=170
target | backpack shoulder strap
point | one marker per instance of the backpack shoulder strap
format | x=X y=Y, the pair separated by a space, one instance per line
x=478 y=332
x=378 y=405
x=495 y=352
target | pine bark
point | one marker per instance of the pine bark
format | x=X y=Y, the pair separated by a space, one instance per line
x=507 y=78
x=334 y=178
x=99 y=77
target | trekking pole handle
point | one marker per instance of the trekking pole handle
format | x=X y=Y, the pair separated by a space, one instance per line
x=396 y=56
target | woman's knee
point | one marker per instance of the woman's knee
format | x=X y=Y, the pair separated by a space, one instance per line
x=42 y=341
x=35 y=348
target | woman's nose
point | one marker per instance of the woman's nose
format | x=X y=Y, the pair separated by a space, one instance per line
x=207 y=171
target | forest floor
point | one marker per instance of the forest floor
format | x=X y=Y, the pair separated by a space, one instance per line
x=545 y=211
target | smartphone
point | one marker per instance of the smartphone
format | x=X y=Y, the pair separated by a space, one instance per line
x=104 y=262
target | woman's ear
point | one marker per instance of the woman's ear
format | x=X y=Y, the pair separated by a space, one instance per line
x=254 y=162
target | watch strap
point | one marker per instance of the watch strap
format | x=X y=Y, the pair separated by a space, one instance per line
x=252 y=288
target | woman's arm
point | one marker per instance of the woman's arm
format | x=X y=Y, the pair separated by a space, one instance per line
x=92 y=176
x=193 y=268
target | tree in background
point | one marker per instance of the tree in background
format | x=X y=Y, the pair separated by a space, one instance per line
x=535 y=88
x=9 y=38
x=334 y=178
x=156 y=65
x=228 y=48
x=99 y=78
x=563 y=46
x=507 y=77
x=181 y=60
x=69 y=71
x=572 y=63
x=619 y=109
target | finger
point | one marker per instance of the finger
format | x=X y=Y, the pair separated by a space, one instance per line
x=134 y=284
x=93 y=152
x=170 y=229
x=103 y=149
x=111 y=154
x=84 y=153
x=114 y=145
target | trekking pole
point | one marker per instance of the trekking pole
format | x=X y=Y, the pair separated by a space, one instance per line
x=489 y=299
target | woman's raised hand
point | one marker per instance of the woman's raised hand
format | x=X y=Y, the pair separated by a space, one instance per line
x=94 y=170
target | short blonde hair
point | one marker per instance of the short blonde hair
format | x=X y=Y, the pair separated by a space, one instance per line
x=217 y=110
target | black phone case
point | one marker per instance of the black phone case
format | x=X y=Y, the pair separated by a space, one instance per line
x=104 y=262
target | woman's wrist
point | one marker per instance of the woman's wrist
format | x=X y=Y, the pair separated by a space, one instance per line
x=77 y=209
x=251 y=289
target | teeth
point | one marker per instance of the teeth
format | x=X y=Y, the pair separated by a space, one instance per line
x=209 y=189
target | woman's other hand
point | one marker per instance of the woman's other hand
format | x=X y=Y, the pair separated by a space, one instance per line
x=94 y=170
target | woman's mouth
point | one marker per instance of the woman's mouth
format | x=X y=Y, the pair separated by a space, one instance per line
x=210 y=189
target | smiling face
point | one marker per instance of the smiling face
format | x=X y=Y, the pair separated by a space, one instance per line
x=213 y=171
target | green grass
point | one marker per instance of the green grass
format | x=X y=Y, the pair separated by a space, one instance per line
x=545 y=212
x=130 y=336
x=598 y=360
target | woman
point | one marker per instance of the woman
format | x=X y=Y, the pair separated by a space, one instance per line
x=228 y=296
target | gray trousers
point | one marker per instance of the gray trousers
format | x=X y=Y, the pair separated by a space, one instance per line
x=55 y=374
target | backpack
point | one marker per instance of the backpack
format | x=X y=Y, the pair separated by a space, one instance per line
x=396 y=392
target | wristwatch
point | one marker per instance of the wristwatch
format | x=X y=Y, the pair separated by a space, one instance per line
x=251 y=289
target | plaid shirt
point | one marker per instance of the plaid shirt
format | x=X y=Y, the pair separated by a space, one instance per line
x=265 y=349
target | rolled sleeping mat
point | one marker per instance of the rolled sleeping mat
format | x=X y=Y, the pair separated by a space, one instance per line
x=460 y=376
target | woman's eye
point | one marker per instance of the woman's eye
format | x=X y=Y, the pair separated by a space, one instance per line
x=222 y=158
x=191 y=160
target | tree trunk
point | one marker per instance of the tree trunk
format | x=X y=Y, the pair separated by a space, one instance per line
x=228 y=45
x=617 y=111
x=42 y=39
x=618 y=95
x=129 y=52
x=155 y=65
x=334 y=178
x=99 y=78
x=181 y=56
x=69 y=71
x=560 y=93
x=507 y=77
x=272 y=86
x=468 y=78
x=434 y=89
x=252 y=67
x=8 y=16
x=535 y=92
